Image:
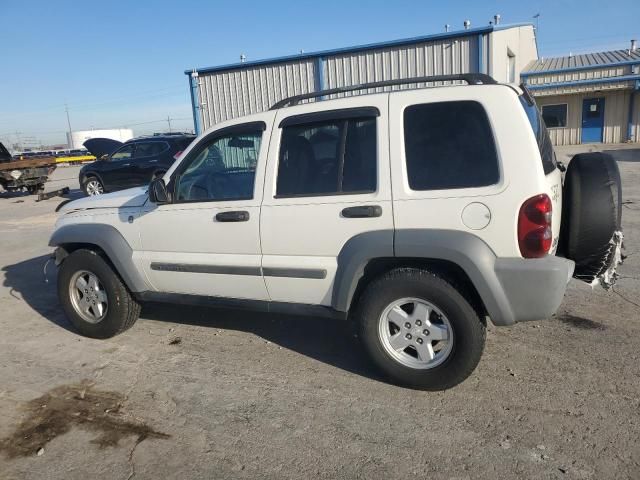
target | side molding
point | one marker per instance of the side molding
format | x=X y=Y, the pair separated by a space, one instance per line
x=110 y=240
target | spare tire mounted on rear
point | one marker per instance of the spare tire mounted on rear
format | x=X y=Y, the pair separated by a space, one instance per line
x=591 y=232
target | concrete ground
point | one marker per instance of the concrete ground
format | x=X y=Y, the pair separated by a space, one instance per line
x=203 y=393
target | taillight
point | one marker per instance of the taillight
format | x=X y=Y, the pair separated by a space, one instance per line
x=534 y=227
x=177 y=155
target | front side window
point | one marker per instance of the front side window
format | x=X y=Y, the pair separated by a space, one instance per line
x=124 y=153
x=328 y=157
x=449 y=145
x=222 y=168
x=555 y=116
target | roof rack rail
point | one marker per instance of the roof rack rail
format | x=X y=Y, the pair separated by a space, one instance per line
x=470 y=78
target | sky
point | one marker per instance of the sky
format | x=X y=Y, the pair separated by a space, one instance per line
x=121 y=63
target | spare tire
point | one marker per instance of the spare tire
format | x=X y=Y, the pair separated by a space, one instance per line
x=591 y=214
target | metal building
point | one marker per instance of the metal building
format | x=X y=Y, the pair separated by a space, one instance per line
x=589 y=98
x=229 y=91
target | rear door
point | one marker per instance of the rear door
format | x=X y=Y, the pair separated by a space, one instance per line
x=116 y=170
x=327 y=182
x=146 y=161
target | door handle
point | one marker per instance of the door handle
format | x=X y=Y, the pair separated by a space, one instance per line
x=234 y=216
x=153 y=161
x=362 y=211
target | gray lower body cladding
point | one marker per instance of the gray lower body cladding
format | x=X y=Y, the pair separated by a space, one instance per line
x=512 y=289
x=110 y=241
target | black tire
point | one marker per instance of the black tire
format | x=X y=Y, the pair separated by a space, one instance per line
x=88 y=179
x=468 y=330
x=591 y=213
x=122 y=309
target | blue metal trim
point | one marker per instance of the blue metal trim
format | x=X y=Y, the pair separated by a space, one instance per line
x=632 y=99
x=195 y=100
x=624 y=78
x=358 y=48
x=481 y=66
x=531 y=73
x=320 y=83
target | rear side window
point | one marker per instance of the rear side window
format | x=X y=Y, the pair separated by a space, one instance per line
x=150 y=149
x=545 y=146
x=328 y=157
x=449 y=145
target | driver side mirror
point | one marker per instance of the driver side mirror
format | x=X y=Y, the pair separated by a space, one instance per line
x=104 y=157
x=158 y=192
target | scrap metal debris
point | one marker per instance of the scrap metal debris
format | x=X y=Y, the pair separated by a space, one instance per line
x=607 y=279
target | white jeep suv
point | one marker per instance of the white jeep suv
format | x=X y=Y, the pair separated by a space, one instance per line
x=416 y=213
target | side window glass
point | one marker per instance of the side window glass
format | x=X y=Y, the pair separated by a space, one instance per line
x=150 y=149
x=124 y=153
x=449 y=145
x=330 y=157
x=220 y=169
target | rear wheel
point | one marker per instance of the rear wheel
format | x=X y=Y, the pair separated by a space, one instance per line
x=419 y=330
x=94 y=298
x=92 y=186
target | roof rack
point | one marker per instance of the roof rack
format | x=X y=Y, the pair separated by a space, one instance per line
x=470 y=78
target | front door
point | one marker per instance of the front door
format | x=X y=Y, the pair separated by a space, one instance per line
x=592 y=120
x=328 y=181
x=207 y=241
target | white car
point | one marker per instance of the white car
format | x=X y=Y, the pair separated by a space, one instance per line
x=416 y=213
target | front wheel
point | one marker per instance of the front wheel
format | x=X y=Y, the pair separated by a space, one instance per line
x=94 y=297
x=419 y=330
x=92 y=186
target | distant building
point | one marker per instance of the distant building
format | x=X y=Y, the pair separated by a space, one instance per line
x=589 y=98
x=229 y=91
x=77 y=138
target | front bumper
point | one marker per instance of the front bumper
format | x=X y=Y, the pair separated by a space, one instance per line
x=533 y=288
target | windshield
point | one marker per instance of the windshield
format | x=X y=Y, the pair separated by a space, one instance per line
x=545 y=146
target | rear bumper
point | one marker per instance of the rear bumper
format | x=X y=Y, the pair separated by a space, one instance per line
x=533 y=288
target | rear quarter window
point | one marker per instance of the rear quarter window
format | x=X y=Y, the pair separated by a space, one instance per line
x=449 y=145
x=547 y=154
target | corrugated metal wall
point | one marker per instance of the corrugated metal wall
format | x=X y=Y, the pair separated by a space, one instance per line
x=579 y=75
x=616 y=114
x=234 y=93
x=241 y=91
x=432 y=58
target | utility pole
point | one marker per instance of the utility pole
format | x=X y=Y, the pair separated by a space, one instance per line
x=169 y=122
x=19 y=140
x=70 y=142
